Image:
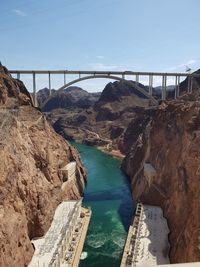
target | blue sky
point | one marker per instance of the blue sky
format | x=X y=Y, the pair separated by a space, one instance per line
x=138 y=35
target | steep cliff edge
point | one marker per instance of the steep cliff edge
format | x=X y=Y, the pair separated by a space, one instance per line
x=30 y=184
x=169 y=139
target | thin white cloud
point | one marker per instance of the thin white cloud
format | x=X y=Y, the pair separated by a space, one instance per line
x=100 y=57
x=19 y=12
x=182 y=65
x=104 y=67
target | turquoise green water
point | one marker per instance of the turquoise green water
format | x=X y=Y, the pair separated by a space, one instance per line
x=107 y=193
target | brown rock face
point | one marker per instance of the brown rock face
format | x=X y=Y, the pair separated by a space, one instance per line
x=170 y=141
x=30 y=184
x=104 y=123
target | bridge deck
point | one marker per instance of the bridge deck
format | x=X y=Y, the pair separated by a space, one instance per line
x=140 y=73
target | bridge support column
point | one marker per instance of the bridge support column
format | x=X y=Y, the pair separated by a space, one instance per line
x=34 y=91
x=137 y=78
x=64 y=78
x=123 y=76
x=150 y=88
x=18 y=75
x=150 y=85
x=164 y=87
x=176 y=87
x=189 y=84
x=49 y=84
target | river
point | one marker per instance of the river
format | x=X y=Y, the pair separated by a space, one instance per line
x=108 y=195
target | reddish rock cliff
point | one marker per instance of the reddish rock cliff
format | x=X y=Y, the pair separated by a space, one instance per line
x=169 y=139
x=30 y=184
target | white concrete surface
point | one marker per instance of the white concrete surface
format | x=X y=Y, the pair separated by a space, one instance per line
x=189 y=264
x=147 y=239
x=69 y=171
x=49 y=249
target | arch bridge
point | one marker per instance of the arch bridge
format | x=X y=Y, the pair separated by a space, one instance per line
x=115 y=75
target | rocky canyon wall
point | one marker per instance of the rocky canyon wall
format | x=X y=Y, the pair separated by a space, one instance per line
x=32 y=155
x=169 y=139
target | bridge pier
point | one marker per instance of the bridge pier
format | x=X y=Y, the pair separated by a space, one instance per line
x=49 y=84
x=150 y=85
x=189 y=84
x=137 y=78
x=150 y=88
x=18 y=75
x=191 y=88
x=64 y=78
x=177 y=87
x=188 y=87
x=164 y=87
x=34 y=90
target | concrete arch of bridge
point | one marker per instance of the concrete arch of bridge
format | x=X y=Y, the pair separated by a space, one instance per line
x=141 y=90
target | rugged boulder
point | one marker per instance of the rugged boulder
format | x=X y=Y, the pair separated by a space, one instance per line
x=30 y=182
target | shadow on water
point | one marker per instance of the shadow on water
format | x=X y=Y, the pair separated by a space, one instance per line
x=126 y=206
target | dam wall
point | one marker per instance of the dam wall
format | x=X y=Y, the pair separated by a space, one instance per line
x=61 y=244
x=147 y=242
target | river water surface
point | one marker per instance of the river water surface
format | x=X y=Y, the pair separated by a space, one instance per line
x=108 y=195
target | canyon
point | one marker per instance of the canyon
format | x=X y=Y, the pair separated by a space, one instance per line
x=167 y=137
